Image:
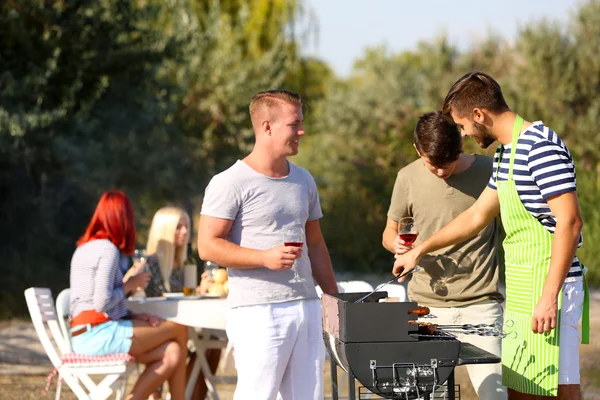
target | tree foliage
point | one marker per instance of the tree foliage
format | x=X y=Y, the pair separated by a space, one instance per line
x=148 y=96
x=363 y=133
x=151 y=97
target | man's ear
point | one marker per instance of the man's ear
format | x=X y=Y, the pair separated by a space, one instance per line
x=266 y=126
x=478 y=115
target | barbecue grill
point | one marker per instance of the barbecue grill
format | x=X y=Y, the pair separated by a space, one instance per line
x=382 y=345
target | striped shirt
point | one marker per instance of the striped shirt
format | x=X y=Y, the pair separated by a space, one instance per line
x=97 y=280
x=543 y=168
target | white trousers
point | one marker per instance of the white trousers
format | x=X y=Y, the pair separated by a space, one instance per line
x=485 y=378
x=278 y=348
x=572 y=307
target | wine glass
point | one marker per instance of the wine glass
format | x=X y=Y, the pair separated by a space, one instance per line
x=407 y=230
x=139 y=258
x=210 y=268
x=294 y=236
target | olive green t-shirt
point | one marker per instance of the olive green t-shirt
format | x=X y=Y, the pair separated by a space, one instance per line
x=460 y=274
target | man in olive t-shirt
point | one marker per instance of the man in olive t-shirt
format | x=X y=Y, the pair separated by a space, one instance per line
x=459 y=283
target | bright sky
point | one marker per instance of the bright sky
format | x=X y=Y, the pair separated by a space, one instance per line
x=347 y=27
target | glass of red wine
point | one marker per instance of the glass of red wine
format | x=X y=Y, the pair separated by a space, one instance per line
x=294 y=236
x=407 y=230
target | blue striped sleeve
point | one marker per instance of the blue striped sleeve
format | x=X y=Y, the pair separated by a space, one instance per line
x=492 y=182
x=551 y=168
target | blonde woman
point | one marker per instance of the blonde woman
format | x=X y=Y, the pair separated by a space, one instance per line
x=167 y=247
x=167 y=240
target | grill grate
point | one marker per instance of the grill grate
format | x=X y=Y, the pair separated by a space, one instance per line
x=441 y=393
x=438 y=335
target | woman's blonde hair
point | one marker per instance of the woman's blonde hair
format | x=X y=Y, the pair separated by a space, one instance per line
x=161 y=240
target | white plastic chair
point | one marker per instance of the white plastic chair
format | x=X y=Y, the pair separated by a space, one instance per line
x=72 y=368
x=349 y=287
x=395 y=290
x=354 y=287
x=62 y=312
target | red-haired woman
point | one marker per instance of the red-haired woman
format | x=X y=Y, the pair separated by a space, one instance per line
x=100 y=322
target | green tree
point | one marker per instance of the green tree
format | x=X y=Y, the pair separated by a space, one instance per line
x=82 y=107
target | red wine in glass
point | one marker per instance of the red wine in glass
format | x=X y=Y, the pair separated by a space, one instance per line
x=407 y=230
x=409 y=238
x=295 y=244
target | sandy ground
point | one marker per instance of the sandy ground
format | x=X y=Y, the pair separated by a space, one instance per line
x=24 y=365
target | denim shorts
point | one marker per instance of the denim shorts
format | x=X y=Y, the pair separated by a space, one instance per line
x=111 y=337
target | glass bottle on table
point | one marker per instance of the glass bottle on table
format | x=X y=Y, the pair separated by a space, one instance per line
x=190 y=273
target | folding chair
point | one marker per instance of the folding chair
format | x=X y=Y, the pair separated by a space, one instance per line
x=210 y=339
x=62 y=312
x=75 y=369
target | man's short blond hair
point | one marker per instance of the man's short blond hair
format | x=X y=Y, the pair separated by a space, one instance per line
x=273 y=98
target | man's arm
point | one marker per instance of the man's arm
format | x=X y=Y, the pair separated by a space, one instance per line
x=468 y=224
x=213 y=246
x=390 y=233
x=319 y=257
x=399 y=207
x=565 y=208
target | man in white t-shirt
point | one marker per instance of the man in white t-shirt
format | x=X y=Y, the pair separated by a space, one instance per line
x=274 y=320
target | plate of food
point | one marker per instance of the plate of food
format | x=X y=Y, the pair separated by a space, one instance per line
x=213 y=295
x=172 y=295
x=179 y=296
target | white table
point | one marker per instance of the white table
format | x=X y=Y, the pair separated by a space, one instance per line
x=196 y=313
x=202 y=315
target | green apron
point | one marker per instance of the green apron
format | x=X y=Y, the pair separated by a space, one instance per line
x=529 y=360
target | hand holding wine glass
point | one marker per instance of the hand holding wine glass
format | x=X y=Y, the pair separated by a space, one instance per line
x=294 y=237
x=138 y=275
x=139 y=259
x=407 y=234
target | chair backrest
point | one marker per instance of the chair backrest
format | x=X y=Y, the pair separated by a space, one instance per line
x=354 y=287
x=62 y=312
x=348 y=287
x=43 y=315
x=395 y=290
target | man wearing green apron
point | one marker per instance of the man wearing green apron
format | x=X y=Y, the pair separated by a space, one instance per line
x=533 y=189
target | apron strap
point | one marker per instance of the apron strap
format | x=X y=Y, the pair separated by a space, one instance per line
x=585 y=317
x=515 y=140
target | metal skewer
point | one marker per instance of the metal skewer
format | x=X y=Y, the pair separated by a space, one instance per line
x=468 y=326
x=415 y=269
x=475 y=332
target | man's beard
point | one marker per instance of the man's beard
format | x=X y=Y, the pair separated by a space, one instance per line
x=483 y=138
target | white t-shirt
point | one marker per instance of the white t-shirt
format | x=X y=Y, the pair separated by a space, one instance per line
x=261 y=208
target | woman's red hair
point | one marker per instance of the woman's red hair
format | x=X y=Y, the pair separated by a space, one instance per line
x=112 y=220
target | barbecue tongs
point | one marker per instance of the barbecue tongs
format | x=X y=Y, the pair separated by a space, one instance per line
x=415 y=269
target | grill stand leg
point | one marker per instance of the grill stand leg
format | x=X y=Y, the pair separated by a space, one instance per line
x=351 y=394
x=334 y=382
x=451 y=384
